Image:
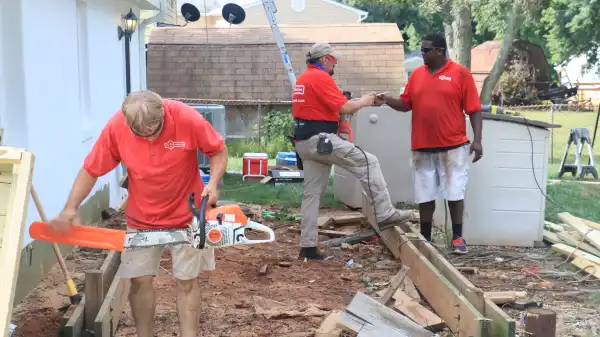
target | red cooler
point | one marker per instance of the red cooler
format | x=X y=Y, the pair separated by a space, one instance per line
x=255 y=165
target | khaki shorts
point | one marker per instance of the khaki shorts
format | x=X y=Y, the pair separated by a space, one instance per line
x=187 y=261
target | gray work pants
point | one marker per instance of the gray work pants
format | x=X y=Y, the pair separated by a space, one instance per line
x=317 y=169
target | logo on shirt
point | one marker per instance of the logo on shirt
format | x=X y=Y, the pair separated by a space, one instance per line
x=445 y=78
x=299 y=89
x=172 y=145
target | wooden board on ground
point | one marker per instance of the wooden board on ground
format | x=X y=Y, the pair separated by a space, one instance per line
x=324 y=221
x=344 y=218
x=16 y=170
x=587 y=266
x=74 y=320
x=568 y=250
x=105 y=323
x=446 y=300
x=418 y=313
x=500 y=323
x=591 y=235
x=572 y=238
x=377 y=314
x=327 y=232
x=329 y=326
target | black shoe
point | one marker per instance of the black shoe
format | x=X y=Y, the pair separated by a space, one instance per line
x=311 y=253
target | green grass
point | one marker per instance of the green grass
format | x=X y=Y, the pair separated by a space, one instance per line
x=581 y=200
x=567 y=120
x=235 y=189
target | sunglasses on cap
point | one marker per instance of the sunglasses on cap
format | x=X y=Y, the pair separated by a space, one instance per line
x=331 y=59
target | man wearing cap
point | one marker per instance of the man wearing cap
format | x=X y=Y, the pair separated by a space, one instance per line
x=317 y=105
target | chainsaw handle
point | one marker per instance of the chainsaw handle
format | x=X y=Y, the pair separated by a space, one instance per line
x=201 y=215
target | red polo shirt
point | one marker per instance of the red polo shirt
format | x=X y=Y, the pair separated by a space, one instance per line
x=439 y=103
x=161 y=172
x=316 y=96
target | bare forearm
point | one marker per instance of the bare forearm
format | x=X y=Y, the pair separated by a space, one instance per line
x=353 y=106
x=82 y=186
x=477 y=125
x=396 y=104
x=218 y=165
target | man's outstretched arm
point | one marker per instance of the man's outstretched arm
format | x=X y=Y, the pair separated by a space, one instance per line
x=396 y=103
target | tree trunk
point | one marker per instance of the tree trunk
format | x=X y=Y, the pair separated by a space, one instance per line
x=448 y=30
x=512 y=26
x=463 y=35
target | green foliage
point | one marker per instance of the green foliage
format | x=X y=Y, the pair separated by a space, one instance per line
x=276 y=127
x=573 y=29
x=516 y=84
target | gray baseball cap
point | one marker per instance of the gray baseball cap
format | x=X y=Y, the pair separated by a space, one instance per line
x=322 y=49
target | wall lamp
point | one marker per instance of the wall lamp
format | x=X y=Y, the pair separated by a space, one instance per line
x=129 y=23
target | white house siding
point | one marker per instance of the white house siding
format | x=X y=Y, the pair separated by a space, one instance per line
x=61 y=78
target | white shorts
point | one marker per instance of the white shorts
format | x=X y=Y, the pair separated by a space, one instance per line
x=187 y=261
x=441 y=174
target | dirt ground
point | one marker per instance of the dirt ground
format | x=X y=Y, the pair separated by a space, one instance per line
x=236 y=298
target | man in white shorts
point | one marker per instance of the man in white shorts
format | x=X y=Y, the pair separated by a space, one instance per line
x=439 y=93
x=158 y=140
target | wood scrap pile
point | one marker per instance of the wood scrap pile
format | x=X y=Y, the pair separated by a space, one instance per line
x=342 y=227
x=578 y=240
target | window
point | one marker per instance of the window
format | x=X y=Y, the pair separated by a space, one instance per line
x=298 y=5
x=83 y=66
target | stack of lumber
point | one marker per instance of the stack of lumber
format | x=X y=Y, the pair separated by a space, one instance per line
x=342 y=227
x=578 y=239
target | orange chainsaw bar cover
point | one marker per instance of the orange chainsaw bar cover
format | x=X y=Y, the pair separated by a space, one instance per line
x=91 y=237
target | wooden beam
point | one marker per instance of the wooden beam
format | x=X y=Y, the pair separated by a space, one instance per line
x=329 y=326
x=415 y=311
x=396 y=281
x=501 y=324
x=377 y=314
x=105 y=323
x=97 y=284
x=13 y=227
x=592 y=235
x=74 y=320
x=447 y=301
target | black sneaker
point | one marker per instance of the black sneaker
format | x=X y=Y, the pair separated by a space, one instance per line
x=311 y=253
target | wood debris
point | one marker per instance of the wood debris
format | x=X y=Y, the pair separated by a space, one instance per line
x=578 y=239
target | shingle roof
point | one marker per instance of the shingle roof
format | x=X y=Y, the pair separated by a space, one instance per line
x=247 y=65
x=262 y=34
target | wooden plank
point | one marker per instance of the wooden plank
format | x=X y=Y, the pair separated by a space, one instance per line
x=329 y=326
x=573 y=238
x=74 y=324
x=347 y=218
x=447 y=301
x=591 y=235
x=105 y=323
x=11 y=234
x=568 y=250
x=418 y=313
x=327 y=232
x=370 y=310
x=351 y=239
x=551 y=237
x=94 y=292
x=351 y=323
x=502 y=297
x=324 y=221
x=500 y=323
x=109 y=269
x=396 y=281
x=587 y=266
x=11 y=155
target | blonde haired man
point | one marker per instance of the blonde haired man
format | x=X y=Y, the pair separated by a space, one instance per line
x=158 y=140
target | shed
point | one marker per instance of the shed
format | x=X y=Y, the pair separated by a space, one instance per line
x=243 y=63
x=505 y=197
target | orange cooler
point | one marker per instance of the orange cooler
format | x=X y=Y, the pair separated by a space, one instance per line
x=255 y=165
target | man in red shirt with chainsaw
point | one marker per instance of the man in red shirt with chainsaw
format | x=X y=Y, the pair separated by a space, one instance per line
x=440 y=93
x=317 y=104
x=158 y=141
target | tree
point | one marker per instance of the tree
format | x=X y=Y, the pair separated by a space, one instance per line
x=573 y=30
x=512 y=25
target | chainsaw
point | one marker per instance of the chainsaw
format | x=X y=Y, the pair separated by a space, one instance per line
x=218 y=227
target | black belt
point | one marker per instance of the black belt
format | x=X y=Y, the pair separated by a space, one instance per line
x=304 y=129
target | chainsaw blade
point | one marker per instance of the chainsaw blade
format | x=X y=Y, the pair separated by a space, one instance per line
x=157 y=238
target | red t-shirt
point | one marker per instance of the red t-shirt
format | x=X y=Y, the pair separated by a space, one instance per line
x=161 y=172
x=438 y=103
x=316 y=96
